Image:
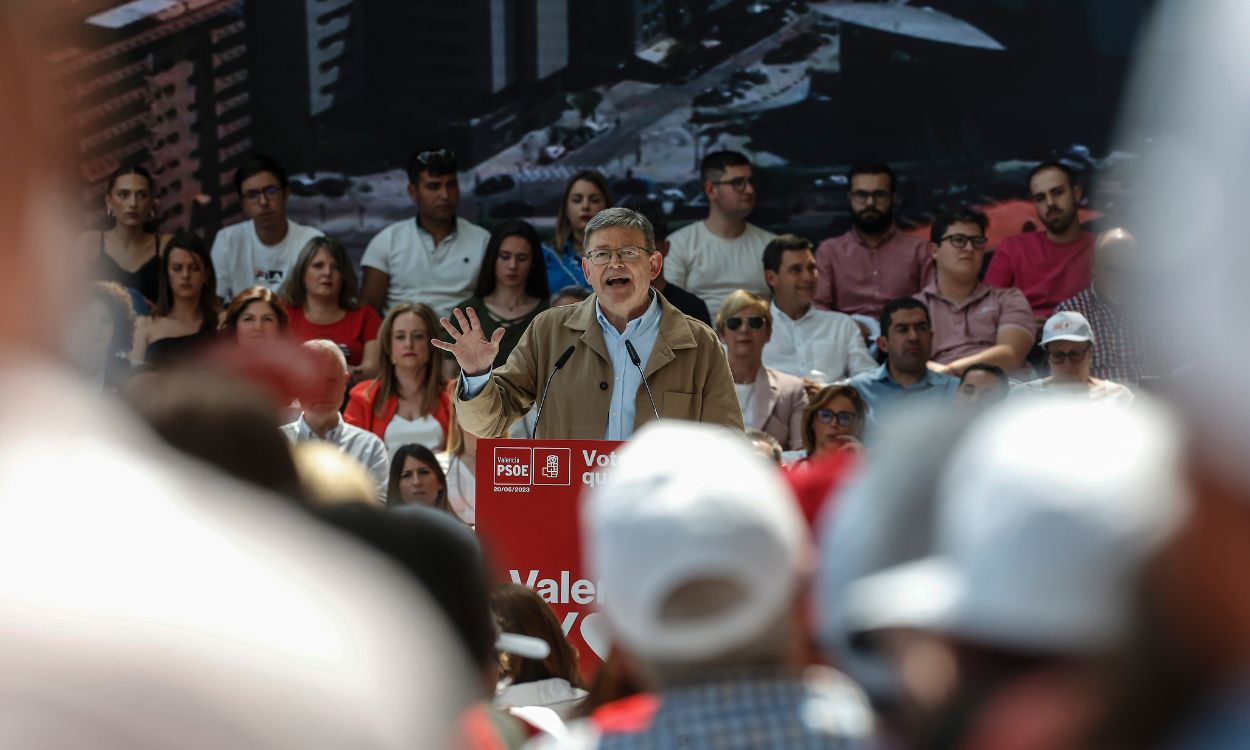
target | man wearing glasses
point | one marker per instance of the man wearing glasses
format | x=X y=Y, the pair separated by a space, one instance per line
x=261 y=250
x=604 y=346
x=713 y=257
x=820 y=346
x=872 y=263
x=973 y=323
x=432 y=258
x=1069 y=345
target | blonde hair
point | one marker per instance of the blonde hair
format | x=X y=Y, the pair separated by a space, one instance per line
x=384 y=384
x=738 y=300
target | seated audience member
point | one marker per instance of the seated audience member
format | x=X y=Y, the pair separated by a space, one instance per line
x=713 y=257
x=102 y=336
x=766 y=445
x=873 y=262
x=1125 y=352
x=459 y=465
x=585 y=194
x=719 y=643
x=511 y=285
x=186 y=312
x=416 y=479
x=771 y=401
x=127 y=250
x=982 y=385
x=972 y=322
x=321 y=297
x=320 y=419
x=834 y=421
x=905 y=377
x=821 y=346
x=432 y=258
x=554 y=682
x=408 y=402
x=261 y=250
x=330 y=477
x=1069 y=345
x=684 y=301
x=570 y=295
x=1051 y=264
x=255 y=319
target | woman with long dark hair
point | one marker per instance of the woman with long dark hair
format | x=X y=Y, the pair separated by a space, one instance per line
x=128 y=249
x=416 y=479
x=185 y=315
x=511 y=285
x=554 y=682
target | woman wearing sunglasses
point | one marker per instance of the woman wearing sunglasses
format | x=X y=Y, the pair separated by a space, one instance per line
x=834 y=421
x=771 y=401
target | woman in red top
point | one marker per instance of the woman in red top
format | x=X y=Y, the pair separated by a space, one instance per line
x=321 y=296
x=409 y=401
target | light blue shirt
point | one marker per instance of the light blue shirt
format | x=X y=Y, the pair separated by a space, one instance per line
x=884 y=396
x=626 y=379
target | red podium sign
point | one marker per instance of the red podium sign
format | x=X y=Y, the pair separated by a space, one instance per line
x=527 y=495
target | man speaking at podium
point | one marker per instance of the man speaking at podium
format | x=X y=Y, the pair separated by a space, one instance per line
x=610 y=364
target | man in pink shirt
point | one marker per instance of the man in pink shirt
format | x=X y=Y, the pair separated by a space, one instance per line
x=873 y=263
x=972 y=322
x=1048 y=265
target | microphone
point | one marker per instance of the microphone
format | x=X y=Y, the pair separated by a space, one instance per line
x=559 y=363
x=633 y=357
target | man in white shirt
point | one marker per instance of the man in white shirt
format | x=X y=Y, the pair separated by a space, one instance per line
x=261 y=250
x=713 y=257
x=321 y=419
x=433 y=258
x=821 y=346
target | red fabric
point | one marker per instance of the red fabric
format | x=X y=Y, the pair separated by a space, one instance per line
x=357 y=328
x=478 y=732
x=815 y=482
x=360 y=401
x=1047 y=272
x=632 y=714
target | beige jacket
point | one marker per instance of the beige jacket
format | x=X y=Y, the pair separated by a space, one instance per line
x=777 y=407
x=687 y=371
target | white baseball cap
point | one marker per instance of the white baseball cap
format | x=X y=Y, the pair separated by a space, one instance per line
x=690 y=503
x=1047 y=511
x=1066 y=326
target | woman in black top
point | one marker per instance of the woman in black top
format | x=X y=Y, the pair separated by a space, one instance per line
x=128 y=249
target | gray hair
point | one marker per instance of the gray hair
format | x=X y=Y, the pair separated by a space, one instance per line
x=329 y=349
x=620 y=217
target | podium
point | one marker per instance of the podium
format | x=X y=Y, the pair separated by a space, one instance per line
x=527 y=500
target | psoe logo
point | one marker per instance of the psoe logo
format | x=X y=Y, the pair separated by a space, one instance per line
x=553 y=466
x=512 y=465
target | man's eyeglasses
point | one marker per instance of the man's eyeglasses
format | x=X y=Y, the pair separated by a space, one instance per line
x=268 y=193
x=843 y=418
x=436 y=156
x=960 y=241
x=739 y=184
x=755 y=322
x=627 y=254
x=1073 y=356
x=876 y=196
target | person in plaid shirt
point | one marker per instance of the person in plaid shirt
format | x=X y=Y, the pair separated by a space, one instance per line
x=1126 y=352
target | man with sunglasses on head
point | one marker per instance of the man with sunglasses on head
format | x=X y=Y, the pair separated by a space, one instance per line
x=1069 y=344
x=872 y=263
x=432 y=258
x=713 y=257
x=973 y=323
x=820 y=346
x=595 y=354
x=261 y=250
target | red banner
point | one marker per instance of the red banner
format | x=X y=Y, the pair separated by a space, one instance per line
x=527 y=495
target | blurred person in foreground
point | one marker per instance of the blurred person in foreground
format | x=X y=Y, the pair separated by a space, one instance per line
x=709 y=616
x=982 y=385
x=102 y=336
x=320 y=418
x=188 y=610
x=1069 y=344
x=1047 y=516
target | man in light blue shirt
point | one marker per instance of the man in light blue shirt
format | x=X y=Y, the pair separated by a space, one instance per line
x=598 y=392
x=905 y=378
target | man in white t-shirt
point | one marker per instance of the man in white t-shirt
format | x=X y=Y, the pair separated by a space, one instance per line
x=433 y=258
x=820 y=346
x=713 y=257
x=261 y=250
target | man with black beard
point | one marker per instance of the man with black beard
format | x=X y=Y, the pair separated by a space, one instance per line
x=858 y=272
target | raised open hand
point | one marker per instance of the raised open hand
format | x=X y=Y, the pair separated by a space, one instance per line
x=473 y=352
